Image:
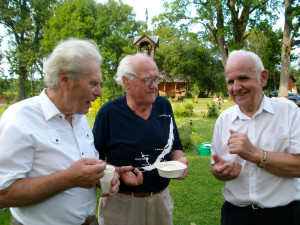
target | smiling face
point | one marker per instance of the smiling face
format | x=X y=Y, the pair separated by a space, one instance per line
x=245 y=83
x=85 y=90
x=137 y=91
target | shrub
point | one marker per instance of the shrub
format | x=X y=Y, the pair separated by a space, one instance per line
x=213 y=110
x=185 y=136
x=107 y=95
x=184 y=110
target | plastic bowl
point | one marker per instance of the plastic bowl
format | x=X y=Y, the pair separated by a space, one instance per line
x=170 y=169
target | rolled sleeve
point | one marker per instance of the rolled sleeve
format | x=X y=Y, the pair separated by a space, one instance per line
x=16 y=152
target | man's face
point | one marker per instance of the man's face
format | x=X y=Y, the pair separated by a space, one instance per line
x=85 y=90
x=137 y=90
x=244 y=83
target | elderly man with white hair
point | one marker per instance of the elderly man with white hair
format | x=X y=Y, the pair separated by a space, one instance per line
x=138 y=130
x=49 y=167
x=256 y=149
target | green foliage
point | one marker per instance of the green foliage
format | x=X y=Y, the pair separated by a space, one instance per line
x=213 y=109
x=107 y=94
x=111 y=25
x=185 y=136
x=183 y=110
x=24 y=21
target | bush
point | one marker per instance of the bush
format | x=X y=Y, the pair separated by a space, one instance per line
x=107 y=94
x=185 y=136
x=213 y=110
x=184 y=110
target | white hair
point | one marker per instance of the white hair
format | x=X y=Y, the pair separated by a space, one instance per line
x=255 y=57
x=70 y=56
x=126 y=67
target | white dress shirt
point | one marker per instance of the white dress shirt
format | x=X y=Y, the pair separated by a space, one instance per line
x=37 y=141
x=274 y=127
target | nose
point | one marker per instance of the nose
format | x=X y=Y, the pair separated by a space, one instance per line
x=98 y=91
x=236 y=85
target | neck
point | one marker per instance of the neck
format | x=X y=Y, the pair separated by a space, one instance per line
x=57 y=96
x=141 y=110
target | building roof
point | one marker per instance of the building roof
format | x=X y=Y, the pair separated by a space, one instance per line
x=155 y=39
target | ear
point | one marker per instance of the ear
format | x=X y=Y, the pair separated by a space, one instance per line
x=64 y=80
x=125 y=81
x=264 y=78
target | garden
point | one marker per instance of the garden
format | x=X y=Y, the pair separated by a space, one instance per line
x=198 y=198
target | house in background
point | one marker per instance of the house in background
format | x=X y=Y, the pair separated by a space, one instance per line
x=174 y=88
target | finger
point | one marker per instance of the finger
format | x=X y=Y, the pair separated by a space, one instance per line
x=232 y=131
x=92 y=161
x=139 y=176
x=125 y=169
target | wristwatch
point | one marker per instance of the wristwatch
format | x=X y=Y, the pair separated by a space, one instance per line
x=263 y=161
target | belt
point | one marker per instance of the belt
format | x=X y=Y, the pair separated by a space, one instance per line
x=140 y=194
x=88 y=221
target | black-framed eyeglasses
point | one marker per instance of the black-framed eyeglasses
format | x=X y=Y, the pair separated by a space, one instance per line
x=146 y=80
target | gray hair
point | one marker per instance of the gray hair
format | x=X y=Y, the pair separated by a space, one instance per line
x=255 y=57
x=70 y=56
x=126 y=67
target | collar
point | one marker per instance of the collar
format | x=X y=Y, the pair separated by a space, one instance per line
x=48 y=107
x=265 y=105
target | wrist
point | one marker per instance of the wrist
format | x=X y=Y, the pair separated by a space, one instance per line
x=262 y=163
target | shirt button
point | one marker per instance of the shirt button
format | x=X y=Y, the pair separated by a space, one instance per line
x=56 y=140
x=82 y=153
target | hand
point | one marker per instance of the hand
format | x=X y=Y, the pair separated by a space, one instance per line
x=184 y=161
x=115 y=183
x=224 y=170
x=130 y=178
x=240 y=144
x=85 y=172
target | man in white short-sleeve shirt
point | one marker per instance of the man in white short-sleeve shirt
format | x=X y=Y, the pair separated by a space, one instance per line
x=49 y=167
x=256 y=149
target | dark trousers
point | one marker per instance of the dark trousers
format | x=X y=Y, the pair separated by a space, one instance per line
x=282 y=215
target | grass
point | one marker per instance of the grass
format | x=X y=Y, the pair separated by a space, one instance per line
x=198 y=198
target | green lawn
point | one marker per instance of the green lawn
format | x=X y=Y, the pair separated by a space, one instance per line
x=198 y=198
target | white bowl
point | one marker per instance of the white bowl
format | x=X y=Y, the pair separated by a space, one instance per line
x=170 y=169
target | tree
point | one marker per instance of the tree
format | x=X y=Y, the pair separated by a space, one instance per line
x=290 y=40
x=226 y=20
x=267 y=44
x=189 y=60
x=24 y=21
x=111 y=25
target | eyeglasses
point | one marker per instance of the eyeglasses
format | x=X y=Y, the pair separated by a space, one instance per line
x=146 y=80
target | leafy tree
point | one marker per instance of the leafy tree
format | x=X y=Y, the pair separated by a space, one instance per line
x=291 y=39
x=24 y=21
x=225 y=20
x=267 y=44
x=112 y=25
x=190 y=61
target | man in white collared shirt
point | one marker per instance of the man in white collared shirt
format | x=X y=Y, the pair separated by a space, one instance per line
x=49 y=166
x=256 y=149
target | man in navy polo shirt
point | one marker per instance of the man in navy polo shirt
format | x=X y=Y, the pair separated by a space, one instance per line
x=138 y=130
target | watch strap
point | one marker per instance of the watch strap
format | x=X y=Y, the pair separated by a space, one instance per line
x=263 y=161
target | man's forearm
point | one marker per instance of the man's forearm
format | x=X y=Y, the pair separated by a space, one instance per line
x=28 y=191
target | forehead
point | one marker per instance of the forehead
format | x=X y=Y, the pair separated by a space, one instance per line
x=145 y=65
x=240 y=66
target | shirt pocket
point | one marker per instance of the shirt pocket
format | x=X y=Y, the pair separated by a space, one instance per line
x=275 y=142
x=54 y=136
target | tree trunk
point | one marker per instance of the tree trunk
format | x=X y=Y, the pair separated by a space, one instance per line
x=285 y=51
x=22 y=86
